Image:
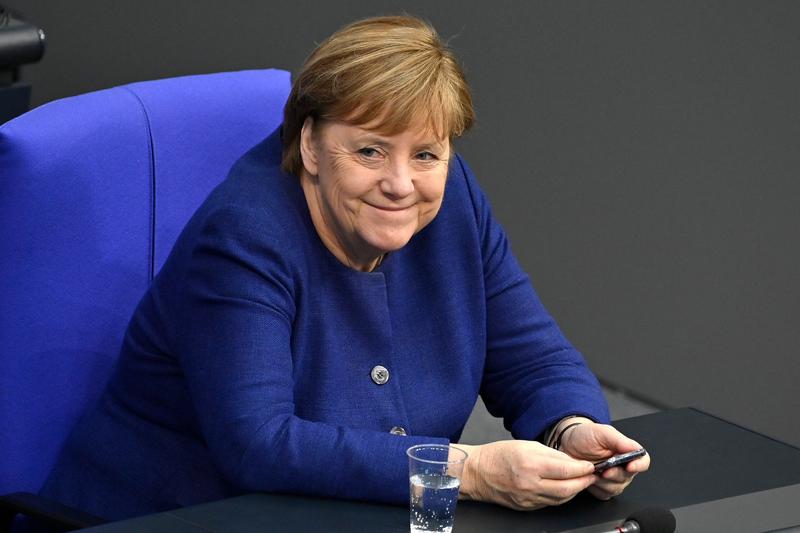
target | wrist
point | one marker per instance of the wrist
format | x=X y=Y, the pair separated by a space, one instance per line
x=468 y=474
x=560 y=432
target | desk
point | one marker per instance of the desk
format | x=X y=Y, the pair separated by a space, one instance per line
x=714 y=475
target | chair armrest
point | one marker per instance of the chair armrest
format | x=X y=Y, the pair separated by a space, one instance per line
x=46 y=512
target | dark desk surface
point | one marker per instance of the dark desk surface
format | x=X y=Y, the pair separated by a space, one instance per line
x=703 y=468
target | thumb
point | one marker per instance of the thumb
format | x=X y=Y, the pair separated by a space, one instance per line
x=612 y=439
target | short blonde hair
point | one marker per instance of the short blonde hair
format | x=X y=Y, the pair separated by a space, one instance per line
x=394 y=70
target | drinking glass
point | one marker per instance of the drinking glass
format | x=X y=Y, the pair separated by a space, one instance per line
x=434 y=472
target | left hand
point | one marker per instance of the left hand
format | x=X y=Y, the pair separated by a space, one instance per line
x=594 y=442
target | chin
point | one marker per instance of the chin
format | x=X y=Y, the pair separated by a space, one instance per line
x=389 y=241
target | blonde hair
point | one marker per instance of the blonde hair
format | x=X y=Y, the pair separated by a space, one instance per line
x=394 y=70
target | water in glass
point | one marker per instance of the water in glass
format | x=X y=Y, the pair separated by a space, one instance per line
x=433 y=502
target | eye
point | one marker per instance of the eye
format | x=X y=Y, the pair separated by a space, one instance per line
x=368 y=152
x=426 y=156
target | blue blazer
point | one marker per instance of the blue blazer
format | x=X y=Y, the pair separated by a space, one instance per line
x=249 y=363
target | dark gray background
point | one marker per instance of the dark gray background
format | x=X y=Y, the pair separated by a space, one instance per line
x=643 y=157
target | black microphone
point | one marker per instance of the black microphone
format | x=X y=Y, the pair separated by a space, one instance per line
x=648 y=520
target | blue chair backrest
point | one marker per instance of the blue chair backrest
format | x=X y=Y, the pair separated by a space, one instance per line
x=94 y=190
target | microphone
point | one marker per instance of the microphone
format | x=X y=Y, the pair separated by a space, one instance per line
x=648 y=520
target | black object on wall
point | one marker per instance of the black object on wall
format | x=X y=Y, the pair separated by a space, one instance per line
x=642 y=156
x=20 y=43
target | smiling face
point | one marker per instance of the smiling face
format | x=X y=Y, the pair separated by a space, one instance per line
x=369 y=193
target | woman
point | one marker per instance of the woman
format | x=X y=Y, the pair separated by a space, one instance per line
x=344 y=294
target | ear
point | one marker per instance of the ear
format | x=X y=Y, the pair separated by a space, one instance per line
x=308 y=148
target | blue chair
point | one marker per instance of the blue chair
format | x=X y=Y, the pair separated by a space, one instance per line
x=94 y=191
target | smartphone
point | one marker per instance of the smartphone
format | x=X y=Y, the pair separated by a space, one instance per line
x=618 y=460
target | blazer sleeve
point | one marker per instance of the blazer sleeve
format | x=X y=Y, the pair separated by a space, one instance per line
x=533 y=376
x=232 y=335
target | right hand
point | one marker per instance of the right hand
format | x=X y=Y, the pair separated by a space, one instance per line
x=523 y=475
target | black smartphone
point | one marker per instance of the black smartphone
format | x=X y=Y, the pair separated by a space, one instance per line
x=618 y=460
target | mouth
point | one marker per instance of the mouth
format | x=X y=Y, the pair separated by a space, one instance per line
x=390 y=208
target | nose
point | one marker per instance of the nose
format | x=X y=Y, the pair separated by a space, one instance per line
x=398 y=182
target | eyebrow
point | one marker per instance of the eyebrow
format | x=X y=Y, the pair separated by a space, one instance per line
x=432 y=146
x=371 y=138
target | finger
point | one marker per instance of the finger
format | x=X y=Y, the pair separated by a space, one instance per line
x=599 y=493
x=555 y=492
x=617 y=474
x=564 y=468
x=612 y=487
x=641 y=464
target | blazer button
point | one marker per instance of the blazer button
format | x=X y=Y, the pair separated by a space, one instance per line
x=398 y=430
x=379 y=374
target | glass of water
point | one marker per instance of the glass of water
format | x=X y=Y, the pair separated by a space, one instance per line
x=434 y=478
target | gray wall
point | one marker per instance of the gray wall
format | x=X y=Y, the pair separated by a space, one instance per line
x=643 y=157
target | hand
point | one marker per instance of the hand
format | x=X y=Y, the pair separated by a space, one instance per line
x=523 y=475
x=595 y=442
